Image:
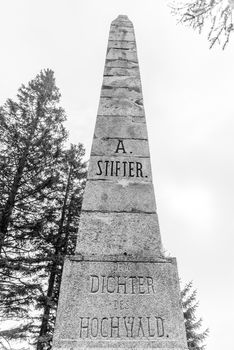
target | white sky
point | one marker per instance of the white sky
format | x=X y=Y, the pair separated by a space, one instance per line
x=188 y=96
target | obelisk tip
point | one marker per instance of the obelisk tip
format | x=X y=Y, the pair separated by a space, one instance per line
x=122 y=19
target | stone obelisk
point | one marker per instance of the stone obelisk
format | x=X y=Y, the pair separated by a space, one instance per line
x=119 y=290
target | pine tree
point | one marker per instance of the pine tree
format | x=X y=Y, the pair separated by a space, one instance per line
x=32 y=141
x=195 y=338
x=59 y=235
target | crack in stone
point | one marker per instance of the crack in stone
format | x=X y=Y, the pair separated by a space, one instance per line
x=123 y=98
x=119 y=115
x=134 y=118
x=120 y=212
x=117 y=156
x=121 y=59
x=136 y=67
x=120 y=259
x=121 y=48
x=123 y=138
x=122 y=87
x=125 y=41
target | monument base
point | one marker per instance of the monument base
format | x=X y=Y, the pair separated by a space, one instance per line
x=123 y=304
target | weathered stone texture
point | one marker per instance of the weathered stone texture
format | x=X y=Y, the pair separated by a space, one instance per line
x=122 y=34
x=121 y=71
x=116 y=234
x=117 y=305
x=121 y=21
x=119 y=196
x=121 y=45
x=120 y=64
x=123 y=93
x=131 y=82
x=107 y=147
x=116 y=106
x=120 y=127
x=120 y=54
x=119 y=291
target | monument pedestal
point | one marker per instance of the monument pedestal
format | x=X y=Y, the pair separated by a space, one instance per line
x=122 y=304
x=119 y=291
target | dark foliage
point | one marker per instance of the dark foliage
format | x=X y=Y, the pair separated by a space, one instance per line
x=59 y=236
x=41 y=187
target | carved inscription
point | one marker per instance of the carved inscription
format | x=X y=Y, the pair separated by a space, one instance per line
x=122 y=327
x=120 y=147
x=120 y=168
x=121 y=305
x=121 y=284
x=117 y=294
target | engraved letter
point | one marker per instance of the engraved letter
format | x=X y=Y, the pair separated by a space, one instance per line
x=124 y=284
x=112 y=167
x=149 y=330
x=117 y=167
x=140 y=328
x=109 y=290
x=160 y=326
x=82 y=326
x=150 y=283
x=115 y=327
x=104 y=335
x=103 y=283
x=99 y=167
x=125 y=163
x=129 y=321
x=107 y=163
x=94 y=284
x=131 y=168
x=121 y=305
x=139 y=169
x=133 y=278
x=120 y=148
x=94 y=327
x=141 y=284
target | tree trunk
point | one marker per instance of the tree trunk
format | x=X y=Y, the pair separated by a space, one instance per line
x=46 y=313
x=9 y=206
x=6 y=214
x=53 y=273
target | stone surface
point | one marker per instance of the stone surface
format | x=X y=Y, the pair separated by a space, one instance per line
x=106 y=168
x=121 y=127
x=116 y=106
x=120 y=71
x=107 y=147
x=119 y=196
x=120 y=54
x=120 y=305
x=121 y=21
x=123 y=93
x=119 y=234
x=131 y=82
x=120 y=64
x=121 y=34
x=119 y=291
x=121 y=44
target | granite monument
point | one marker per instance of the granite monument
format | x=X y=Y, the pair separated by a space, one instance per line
x=119 y=291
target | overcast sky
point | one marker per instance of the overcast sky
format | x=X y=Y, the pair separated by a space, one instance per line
x=188 y=97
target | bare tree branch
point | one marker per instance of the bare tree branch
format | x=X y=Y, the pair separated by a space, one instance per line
x=213 y=16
